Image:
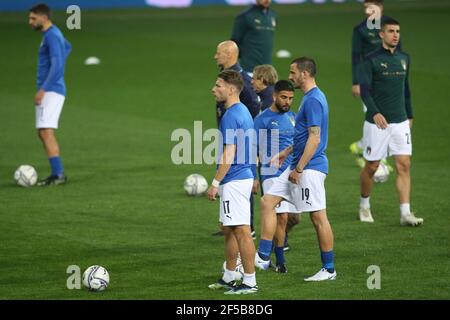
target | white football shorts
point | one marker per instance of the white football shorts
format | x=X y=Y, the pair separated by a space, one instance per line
x=283 y=206
x=235 y=202
x=48 y=112
x=307 y=196
x=379 y=143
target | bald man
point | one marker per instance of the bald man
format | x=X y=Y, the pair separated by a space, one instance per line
x=227 y=55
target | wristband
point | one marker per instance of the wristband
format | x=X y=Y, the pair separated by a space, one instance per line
x=298 y=171
x=215 y=183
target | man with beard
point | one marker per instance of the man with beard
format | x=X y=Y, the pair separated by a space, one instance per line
x=303 y=182
x=51 y=87
x=275 y=131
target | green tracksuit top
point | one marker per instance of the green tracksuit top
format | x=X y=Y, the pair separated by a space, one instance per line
x=384 y=85
x=253 y=31
x=364 y=41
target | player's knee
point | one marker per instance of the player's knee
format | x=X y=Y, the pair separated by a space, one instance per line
x=372 y=166
x=240 y=232
x=319 y=218
x=44 y=134
x=263 y=202
x=267 y=203
x=293 y=219
x=403 y=166
x=282 y=219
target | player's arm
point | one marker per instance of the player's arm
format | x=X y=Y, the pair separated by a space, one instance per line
x=239 y=29
x=408 y=106
x=356 y=61
x=310 y=149
x=56 y=68
x=278 y=159
x=56 y=63
x=366 y=95
x=225 y=163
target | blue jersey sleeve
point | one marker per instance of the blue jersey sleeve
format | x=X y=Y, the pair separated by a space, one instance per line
x=313 y=113
x=228 y=128
x=56 y=62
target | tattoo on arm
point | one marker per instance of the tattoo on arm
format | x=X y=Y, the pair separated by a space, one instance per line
x=314 y=131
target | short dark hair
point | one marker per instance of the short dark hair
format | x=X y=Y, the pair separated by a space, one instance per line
x=377 y=2
x=41 y=8
x=389 y=21
x=306 y=64
x=283 y=85
x=232 y=77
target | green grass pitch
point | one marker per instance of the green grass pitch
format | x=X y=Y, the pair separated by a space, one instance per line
x=125 y=207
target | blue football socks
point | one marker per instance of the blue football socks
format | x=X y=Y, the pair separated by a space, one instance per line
x=56 y=165
x=265 y=248
x=279 y=254
x=328 y=260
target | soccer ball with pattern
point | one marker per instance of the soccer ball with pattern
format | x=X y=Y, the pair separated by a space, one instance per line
x=382 y=173
x=195 y=184
x=25 y=176
x=96 y=278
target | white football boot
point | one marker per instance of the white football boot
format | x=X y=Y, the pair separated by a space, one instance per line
x=322 y=275
x=260 y=263
x=365 y=215
x=410 y=220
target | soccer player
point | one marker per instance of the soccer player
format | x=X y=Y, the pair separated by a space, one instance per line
x=233 y=183
x=51 y=87
x=364 y=41
x=263 y=80
x=253 y=31
x=227 y=59
x=389 y=117
x=276 y=125
x=303 y=182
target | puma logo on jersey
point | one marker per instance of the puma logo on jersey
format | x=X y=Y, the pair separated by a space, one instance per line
x=384 y=65
x=258 y=21
x=275 y=123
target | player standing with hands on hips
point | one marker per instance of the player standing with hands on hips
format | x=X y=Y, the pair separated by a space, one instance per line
x=49 y=99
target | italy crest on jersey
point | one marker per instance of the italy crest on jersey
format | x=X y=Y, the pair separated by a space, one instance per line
x=403 y=62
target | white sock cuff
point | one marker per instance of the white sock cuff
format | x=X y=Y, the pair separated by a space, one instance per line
x=228 y=275
x=405 y=209
x=249 y=279
x=364 y=202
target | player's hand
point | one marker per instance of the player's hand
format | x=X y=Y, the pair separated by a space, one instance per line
x=255 y=187
x=356 y=90
x=277 y=160
x=380 y=121
x=38 y=97
x=294 y=177
x=212 y=192
x=410 y=123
